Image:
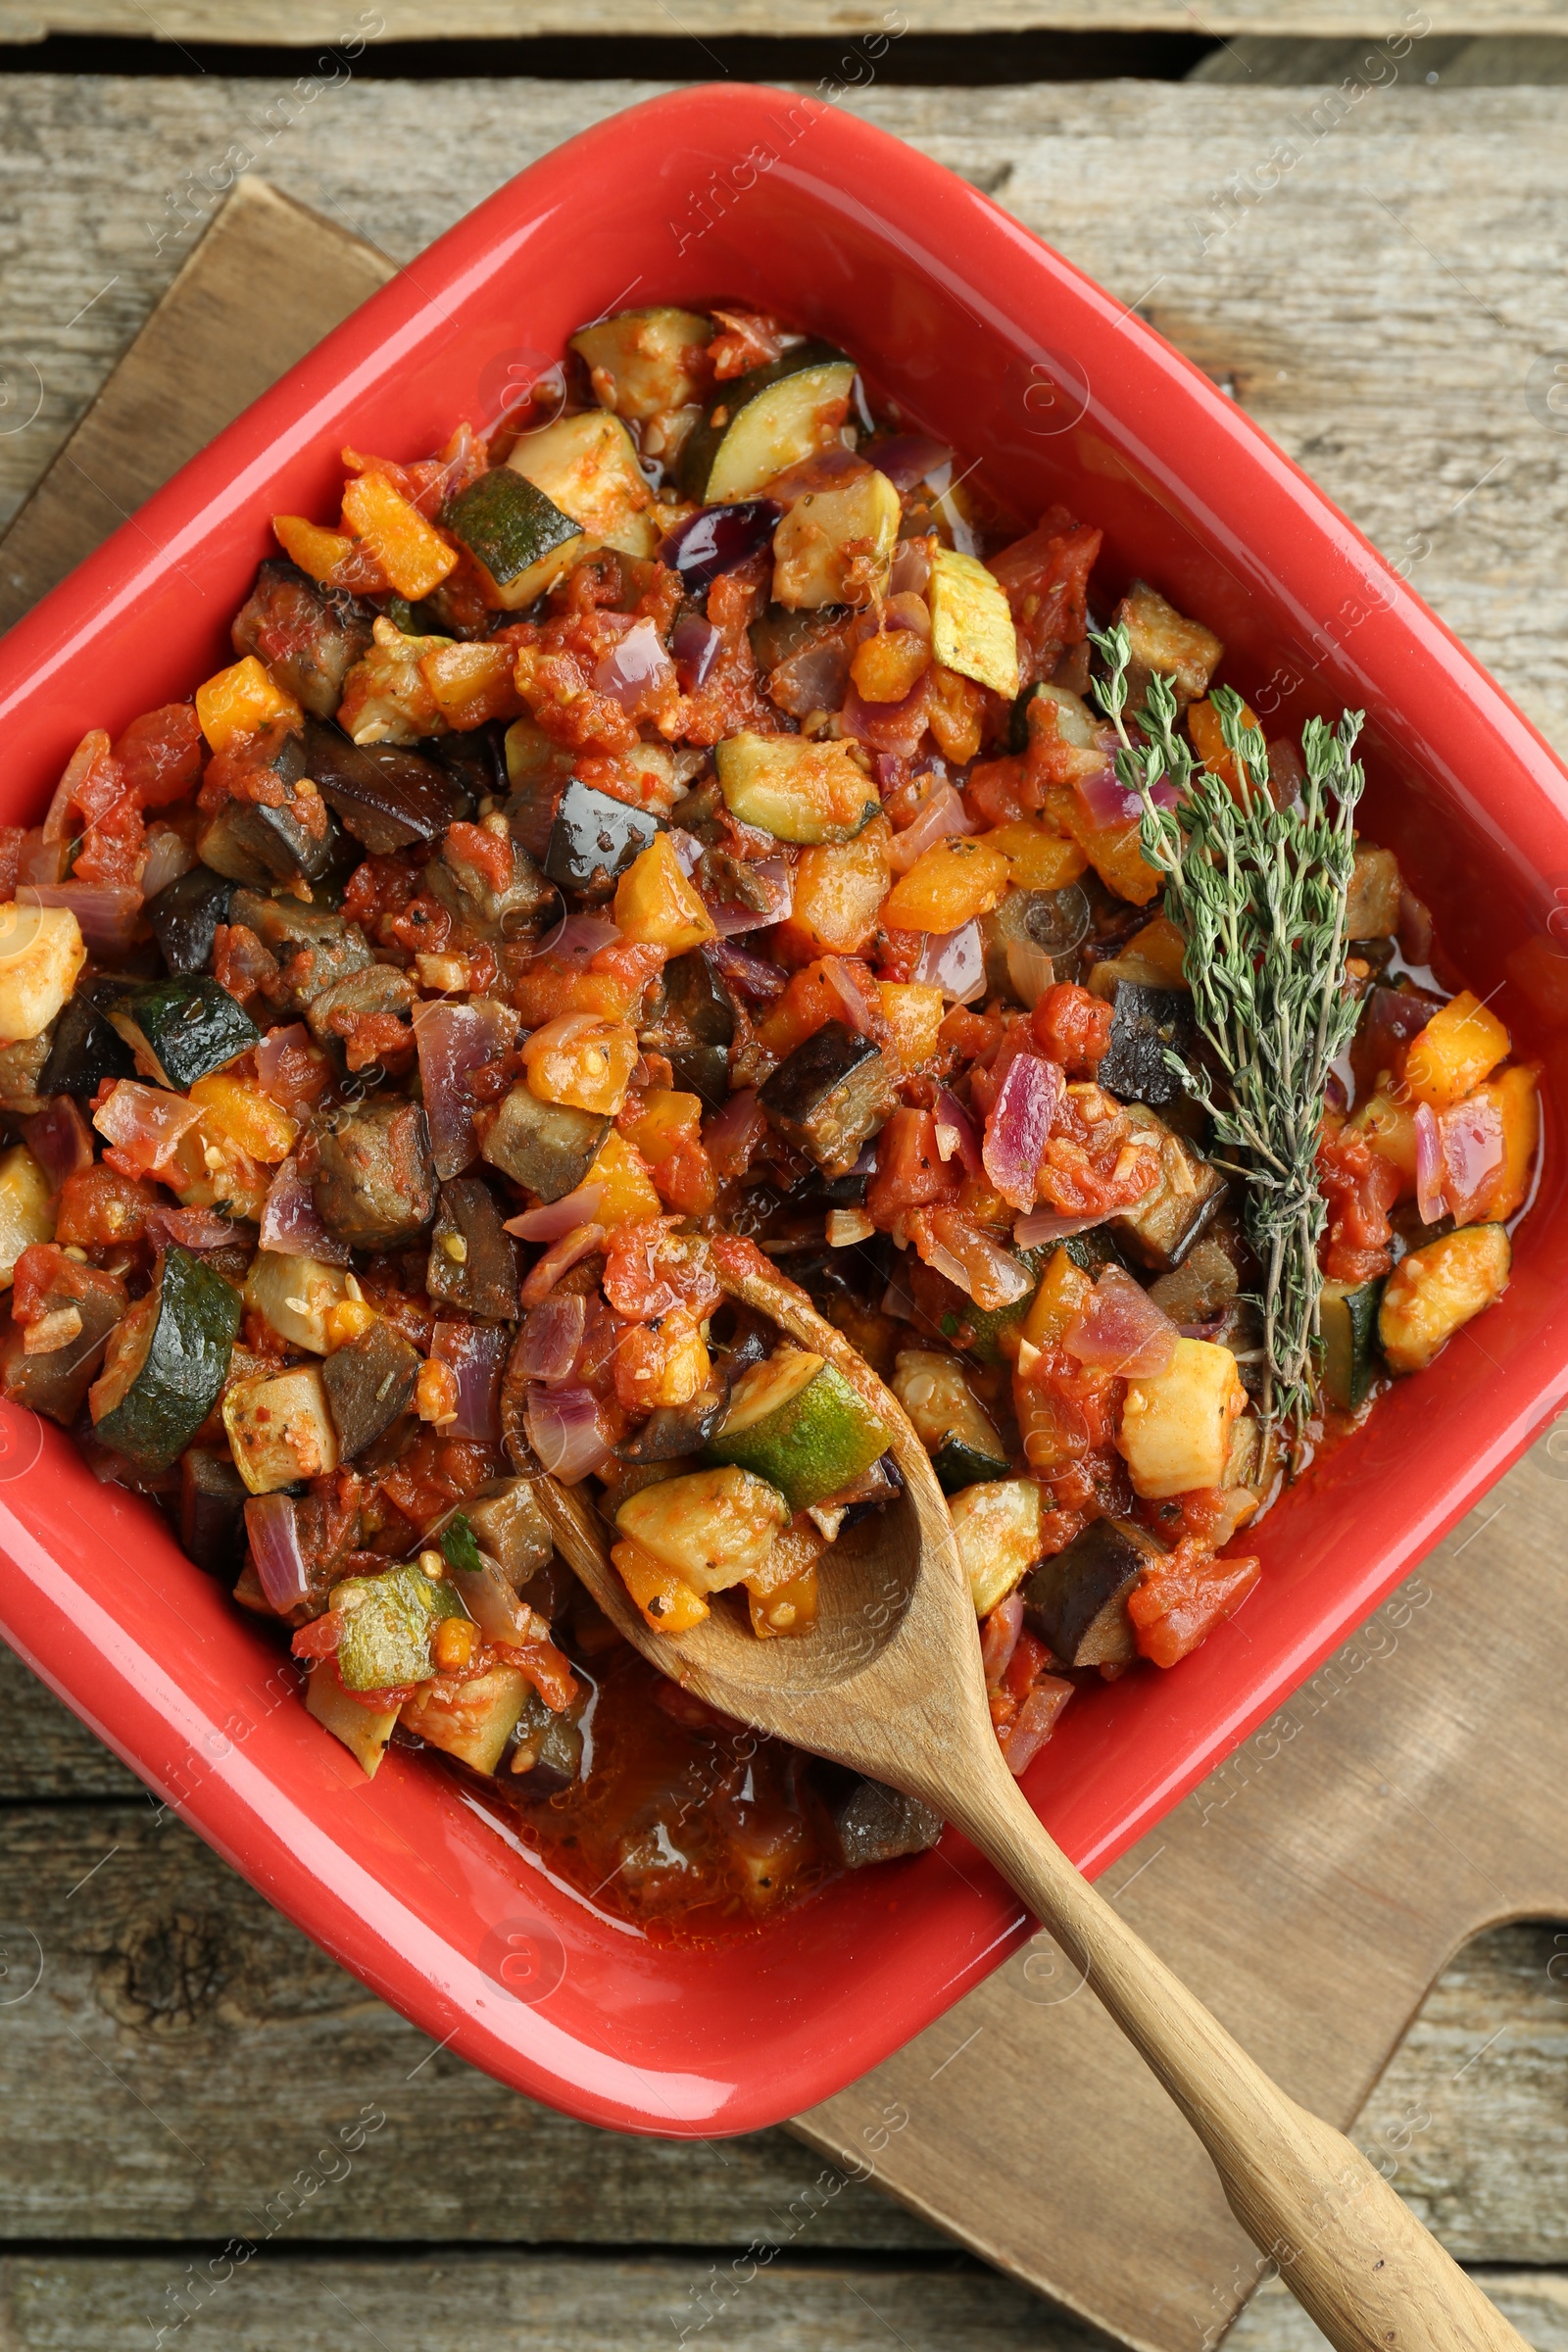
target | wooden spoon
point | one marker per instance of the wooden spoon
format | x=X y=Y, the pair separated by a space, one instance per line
x=890 y=1683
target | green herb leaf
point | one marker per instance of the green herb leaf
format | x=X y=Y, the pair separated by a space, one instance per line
x=1259 y=893
x=459 y=1548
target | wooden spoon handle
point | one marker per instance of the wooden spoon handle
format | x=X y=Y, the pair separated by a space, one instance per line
x=1348 y=2249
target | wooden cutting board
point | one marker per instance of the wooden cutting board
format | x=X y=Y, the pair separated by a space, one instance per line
x=1311 y=1891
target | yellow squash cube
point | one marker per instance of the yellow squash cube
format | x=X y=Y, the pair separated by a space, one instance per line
x=1435 y=1290
x=971 y=624
x=656 y=907
x=913 y=1011
x=834 y=546
x=245 y=1116
x=1038 y=856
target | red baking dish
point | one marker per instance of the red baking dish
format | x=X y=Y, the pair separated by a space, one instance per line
x=984 y=335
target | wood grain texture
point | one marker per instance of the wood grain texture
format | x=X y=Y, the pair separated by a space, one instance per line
x=305 y=24
x=1388 y=310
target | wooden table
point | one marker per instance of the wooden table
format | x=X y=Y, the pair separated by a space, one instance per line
x=1392 y=310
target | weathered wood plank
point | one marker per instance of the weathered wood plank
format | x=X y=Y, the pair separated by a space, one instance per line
x=1388 y=305
x=227 y=2302
x=301 y=23
x=1448 y=60
x=171 y=1999
x=44 y=1751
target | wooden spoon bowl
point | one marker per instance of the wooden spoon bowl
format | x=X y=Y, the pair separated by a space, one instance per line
x=890 y=1683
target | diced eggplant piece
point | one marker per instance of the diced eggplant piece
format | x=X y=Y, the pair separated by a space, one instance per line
x=547 y=1148
x=472 y=1721
x=388 y=796
x=829 y=1095
x=378 y=988
x=179 y=1030
x=594 y=839
x=313 y=948
x=877 y=1824
x=308 y=636
x=1146 y=1025
x=546 y=1752
x=211 y=1508
x=1163 y=639
x=694 y=1027
x=23 y=1065
x=1372 y=902
x=473 y=1261
x=1204 y=1284
x=370 y=1383
x=1027 y=927
x=1160 y=1229
x=251 y=843
x=186 y=915
x=1076 y=1601
x=55 y=1380
x=84 y=1049
x=475 y=761
x=673 y=1431
x=508 y=1525
x=371 y=1174
x=526 y=904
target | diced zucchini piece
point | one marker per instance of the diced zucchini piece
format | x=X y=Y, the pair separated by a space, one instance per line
x=715 y=1528
x=26 y=1208
x=649 y=362
x=1159 y=1229
x=829 y=1095
x=1163 y=639
x=167 y=1362
x=795 y=789
x=797 y=1422
x=41 y=952
x=834 y=546
x=83 y=1051
x=1176 y=1424
x=587 y=467
x=363 y=1731
x=971 y=623
x=1076 y=1601
x=510 y=527
x=1436 y=1289
x=280 y=1429
x=370 y=1383
x=181 y=1029
x=294 y=1295
x=475 y=1720
x=949 y=1421
x=388 y=1624
x=1348 y=1321
x=765 y=421
x=997 y=1527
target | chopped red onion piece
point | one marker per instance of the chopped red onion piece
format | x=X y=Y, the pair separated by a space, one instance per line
x=550 y=1339
x=956 y=1132
x=1035 y=1722
x=565 y=1431
x=856 y=1011
x=272 y=1524
x=191 y=1228
x=169 y=856
x=452 y=1041
x=944 y=814
x=146 y=1120
x=58 y=1139
x=687 y=847
x=1030 y=970
x=1043 y=1225
x=556 y=1217
x=955 y=962
x=998 y=1638
x=476 y=1354
x=910 y=573
x=731 y=918
x=292 y=1223
x=271 y=1050
x=1473 y=1151
x=732 y=1136
x=696 y=645
x=495 y=1608
x=910 y=457
x=752 y=976
x=1121 y=1330
x=42 y=858
x=107 y=911
x=1428 y=1164
x=1107 y=800
x=1017 y=1125
x=636 y=667
x=558 y=1259
x=581 y=936
x=813 y=680
x=970 y=1258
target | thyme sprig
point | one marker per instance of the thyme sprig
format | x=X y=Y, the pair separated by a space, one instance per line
x=1259 y=893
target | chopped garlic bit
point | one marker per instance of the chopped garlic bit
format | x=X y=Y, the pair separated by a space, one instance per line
x=845 y=1226
x=52 y=1330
